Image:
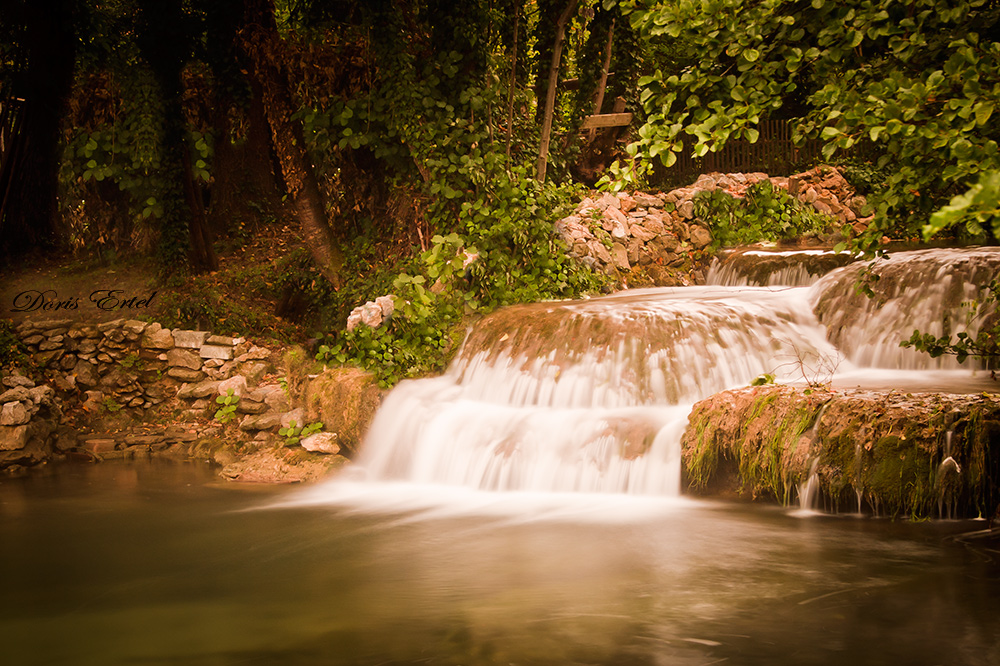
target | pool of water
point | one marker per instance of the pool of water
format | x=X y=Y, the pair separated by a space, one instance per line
x=158 y=564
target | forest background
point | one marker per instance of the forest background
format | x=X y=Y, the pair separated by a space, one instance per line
x=413 y=147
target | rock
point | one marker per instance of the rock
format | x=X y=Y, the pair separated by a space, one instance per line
x=183 y=358
x=246 y=406
x=237 y=384
x=15 y=394
x=189 y=339
x=345 y=401
x=277 y=400
x=647 y=200
x=202 y=389
x=14 y=413
x=297 y=417
x=216 y=351
x=700 y=236
x=99 y=445
x=686 y=210
x=619 y=256
x=13 y=381
x=223 y=340
x=116 y=323
x=156 y=337
x=13 y=438
x=86 y=374
x=388 y=305
x=642 y=233
x=40 y=395
x=598 y=250
x=321 y=442
x=268 y=421
x=254 y=372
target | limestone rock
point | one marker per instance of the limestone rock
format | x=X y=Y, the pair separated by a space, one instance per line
x=13 y=438
x=297 y=416
x=237 y=384
x=14 y=413
x=216 y=351
x=15 y=394
x=200 y=390
x=321 y=442
x=189 y=339
x=268 y=421
x=183 y=358
x=156 y=337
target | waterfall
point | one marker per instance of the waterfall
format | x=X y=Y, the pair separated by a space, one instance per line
x=588 y=396
x=793 y=268
x=593 y=395
x=927 y=290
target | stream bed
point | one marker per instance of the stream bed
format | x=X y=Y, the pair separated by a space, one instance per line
x=156 y=563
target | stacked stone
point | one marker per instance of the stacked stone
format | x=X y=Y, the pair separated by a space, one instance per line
x=264 y=409
x=125 y=360
x=615 y=233
x=29 y=415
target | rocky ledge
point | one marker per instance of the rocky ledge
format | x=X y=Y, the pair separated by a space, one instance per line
x=914 y=454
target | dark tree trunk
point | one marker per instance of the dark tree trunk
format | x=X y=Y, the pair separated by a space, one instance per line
x=29 y=195
x=184 y=236
x=262 y=48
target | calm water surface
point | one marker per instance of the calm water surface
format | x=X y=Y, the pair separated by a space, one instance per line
x=156 y=564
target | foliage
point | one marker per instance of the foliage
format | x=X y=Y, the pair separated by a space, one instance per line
x=111 y=405
x=293 y=433
x=227 y=410
x=985 y=345
x=13 y=352
x=765 y=213
x=919 y=81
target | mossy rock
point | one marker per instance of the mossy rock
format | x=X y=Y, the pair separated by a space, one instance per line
x=345 y=401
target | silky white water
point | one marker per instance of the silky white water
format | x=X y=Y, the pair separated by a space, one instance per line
x=592 y=396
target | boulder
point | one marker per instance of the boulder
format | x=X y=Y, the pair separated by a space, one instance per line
x=321 y=442
x=345 y=401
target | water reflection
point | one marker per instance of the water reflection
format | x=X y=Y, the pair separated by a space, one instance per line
x=156 y=565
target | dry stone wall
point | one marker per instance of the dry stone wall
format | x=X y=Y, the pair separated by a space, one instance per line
x=616 y=233
x=160 y=388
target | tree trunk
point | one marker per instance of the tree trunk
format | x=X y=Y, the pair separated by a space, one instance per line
x=262 y=46
x=29 y=195
x=550 y=98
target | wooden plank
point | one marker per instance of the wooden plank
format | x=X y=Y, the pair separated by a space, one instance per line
x=607 y=120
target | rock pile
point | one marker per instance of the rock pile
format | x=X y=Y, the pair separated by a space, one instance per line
x=121 y=363
x=616 y=233
x=29 y=416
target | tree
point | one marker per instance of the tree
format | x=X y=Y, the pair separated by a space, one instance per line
x=262 y=48
x=917 y=80
x=42 y=50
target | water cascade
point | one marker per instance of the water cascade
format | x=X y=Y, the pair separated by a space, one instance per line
x=593 y=395
x=767 y=268
x=926 y=289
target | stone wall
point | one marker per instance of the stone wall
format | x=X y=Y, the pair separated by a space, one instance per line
x=655 y=232
x=128 y=387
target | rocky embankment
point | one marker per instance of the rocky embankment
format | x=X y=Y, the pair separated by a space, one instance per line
x=127 y=388
x=890 y=453
x=616 y=233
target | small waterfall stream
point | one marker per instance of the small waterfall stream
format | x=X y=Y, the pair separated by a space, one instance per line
x=593 y=395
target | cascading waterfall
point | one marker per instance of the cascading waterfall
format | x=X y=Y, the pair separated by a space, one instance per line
x=593 y=395
x=928 y=290
x=588 y=396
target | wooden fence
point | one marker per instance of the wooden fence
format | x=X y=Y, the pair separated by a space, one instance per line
x=773 y=153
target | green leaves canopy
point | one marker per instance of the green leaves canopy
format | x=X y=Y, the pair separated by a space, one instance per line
x=918 y=80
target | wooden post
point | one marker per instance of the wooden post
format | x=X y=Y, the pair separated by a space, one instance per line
x=550 y=98
x=603 y=84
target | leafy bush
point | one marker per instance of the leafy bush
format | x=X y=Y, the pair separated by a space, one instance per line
x=765 y=213
x=13 y=352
